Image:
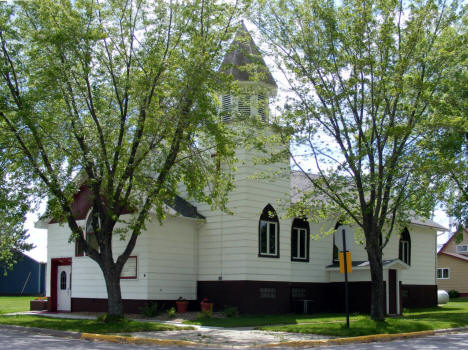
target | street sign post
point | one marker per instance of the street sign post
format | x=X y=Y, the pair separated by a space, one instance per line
x=346 y=276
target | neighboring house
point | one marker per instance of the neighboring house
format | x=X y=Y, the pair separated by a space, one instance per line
x=26 y=278
x=255 y=259
x=452 y=265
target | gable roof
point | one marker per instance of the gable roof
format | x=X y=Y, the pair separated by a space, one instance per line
x=465 y=231
x=300 y=183
x=244 y=56
x=184 y=208
x=454 y=255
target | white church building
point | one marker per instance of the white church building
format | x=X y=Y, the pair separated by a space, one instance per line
x=257 y=262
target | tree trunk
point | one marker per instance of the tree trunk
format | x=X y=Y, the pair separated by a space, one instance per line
x=377 y=287
x=114 y=295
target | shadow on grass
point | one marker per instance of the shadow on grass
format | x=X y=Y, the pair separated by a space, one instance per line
x=357 y=328
x=86 y=326
x=452 y=319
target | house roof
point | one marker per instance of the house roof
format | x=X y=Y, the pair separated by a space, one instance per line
x=300 y=182
x=244 y=60
x=179 y=207
x=365 y=265
x=454 y=255
x=465 y=231
x=184 y=208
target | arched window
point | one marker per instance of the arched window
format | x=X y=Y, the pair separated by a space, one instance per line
x=335 y=248
x=268 y=233
x=300 y=239
x=404 y=251
x=90 y=236
x=63 y=280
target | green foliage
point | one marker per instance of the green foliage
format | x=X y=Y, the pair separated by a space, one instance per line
x=365 y=79
x=231 y=311
x=88 y=326
x=171 y=312
x=118 y=97
x=453 y=294
x=150 y=309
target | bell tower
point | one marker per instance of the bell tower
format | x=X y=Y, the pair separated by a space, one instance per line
x=256 y=84
x=234 y=248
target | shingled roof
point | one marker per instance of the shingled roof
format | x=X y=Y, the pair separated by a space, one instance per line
x=244 y=60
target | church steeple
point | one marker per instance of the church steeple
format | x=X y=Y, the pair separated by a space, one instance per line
x=245 y=63
x=244 y=60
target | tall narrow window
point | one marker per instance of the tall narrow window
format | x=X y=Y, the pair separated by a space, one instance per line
x=300 y=239
x=226 y=107
x=404 y=251
x=335 y=248
x=63 y=280
x=90 y=237
x=268 y=233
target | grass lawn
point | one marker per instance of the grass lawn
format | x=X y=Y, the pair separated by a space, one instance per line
x=14 y=304
x=453 y=314
x=87 y=326
x=18 y=304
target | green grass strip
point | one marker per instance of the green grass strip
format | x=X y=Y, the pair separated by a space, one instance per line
x=88 y=326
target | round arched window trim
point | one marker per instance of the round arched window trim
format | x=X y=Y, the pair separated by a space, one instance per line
x=404 y=247
x=268 y=233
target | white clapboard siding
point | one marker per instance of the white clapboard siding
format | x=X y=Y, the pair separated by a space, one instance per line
x=166 y=255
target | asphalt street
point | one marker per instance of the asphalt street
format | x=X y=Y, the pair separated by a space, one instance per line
x=23 y=339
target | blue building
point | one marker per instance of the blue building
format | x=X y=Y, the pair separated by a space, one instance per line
x=26 y=278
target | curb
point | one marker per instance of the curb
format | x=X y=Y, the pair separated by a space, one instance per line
x=362 y=339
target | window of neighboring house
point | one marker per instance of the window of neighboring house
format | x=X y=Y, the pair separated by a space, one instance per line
x=90 y=238
x=443 y=273
x=268 y=233
x=300 y=239
x=404 y=251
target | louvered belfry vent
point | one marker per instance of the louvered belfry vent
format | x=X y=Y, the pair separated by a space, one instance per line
x=262 y=105
x=226 y=107
x=244 y=105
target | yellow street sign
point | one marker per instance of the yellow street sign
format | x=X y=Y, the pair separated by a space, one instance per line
x=348 y=262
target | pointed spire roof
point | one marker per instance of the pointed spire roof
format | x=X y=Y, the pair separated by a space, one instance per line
x=244 y=60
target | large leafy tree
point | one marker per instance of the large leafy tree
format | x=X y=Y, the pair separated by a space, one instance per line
x=119 y=96
x=362 y=76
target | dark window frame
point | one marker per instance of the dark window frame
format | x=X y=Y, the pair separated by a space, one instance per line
x=79 y=249
x=300 y=224
x=405 y=240
x=269 y=216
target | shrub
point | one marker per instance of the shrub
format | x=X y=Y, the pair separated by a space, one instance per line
x=453 y=293
x=150 y=310
x=231 y=311
x=171 y=312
